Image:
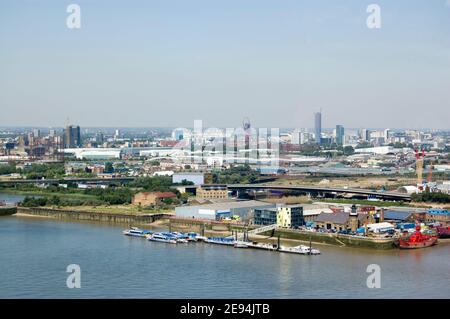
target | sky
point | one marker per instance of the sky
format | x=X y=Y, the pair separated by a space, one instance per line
x=170 y=62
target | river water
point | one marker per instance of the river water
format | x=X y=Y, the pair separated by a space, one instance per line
x=35 y=252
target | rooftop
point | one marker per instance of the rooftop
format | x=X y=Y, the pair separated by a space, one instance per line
x=230 y=205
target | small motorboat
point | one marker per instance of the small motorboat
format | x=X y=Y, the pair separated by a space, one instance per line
x=162 y=238
x=265 y=246
x=182 y=237
x=220 y=240
x=136 y=232
x=240 y=244
x=302 y=250
x=193 y=236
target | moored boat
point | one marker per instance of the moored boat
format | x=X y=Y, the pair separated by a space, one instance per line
x=443 y=231
x=417 y=240
x=179 y=237
x=240 y=244
x=193 y=236
x=201 y=238
x=136 y=232
x=160 y=237
x=220 y=240
x=265 y=246
x=302 y=250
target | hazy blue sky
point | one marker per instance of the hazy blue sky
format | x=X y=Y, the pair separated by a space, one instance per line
x=167 y=62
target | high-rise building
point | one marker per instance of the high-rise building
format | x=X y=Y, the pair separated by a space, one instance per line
x=178 y=134
x=387 y=135
x=339 y=134
x=318 y=126
x=99 y=138
x=365 y=134
x=36 y=132
x=72 y=136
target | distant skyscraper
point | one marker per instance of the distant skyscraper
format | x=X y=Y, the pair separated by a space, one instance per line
x=99 y=138
x=36 y=132
x=72 y=136
x=387 y=135
x=339 y=134
x=178 y=134
x=318 y=126
x=365 y=134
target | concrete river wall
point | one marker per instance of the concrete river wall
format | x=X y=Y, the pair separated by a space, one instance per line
x=7 y=210
x=91 y=216
x=337 y=239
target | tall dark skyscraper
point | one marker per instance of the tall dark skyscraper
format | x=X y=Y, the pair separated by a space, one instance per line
x=72 y=136
x=339 y=134
x=318 y=126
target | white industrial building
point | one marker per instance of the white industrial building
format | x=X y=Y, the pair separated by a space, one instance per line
x=215 y=211
x=94 y=153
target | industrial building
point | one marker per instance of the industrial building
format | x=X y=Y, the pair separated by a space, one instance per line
x=94 y=153
x=218 y=211
x=212 y=192
x=288 y=216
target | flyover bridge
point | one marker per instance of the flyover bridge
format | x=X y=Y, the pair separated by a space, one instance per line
x=314 y=189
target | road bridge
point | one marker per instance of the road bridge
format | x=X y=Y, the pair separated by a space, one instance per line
x=315 y=189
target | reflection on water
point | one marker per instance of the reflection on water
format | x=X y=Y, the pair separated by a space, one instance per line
x=36 y=251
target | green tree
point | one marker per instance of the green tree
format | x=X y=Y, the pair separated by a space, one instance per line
x=348 y=150
x=109 y=168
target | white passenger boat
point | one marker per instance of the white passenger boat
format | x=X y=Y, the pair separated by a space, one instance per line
x=241 y=244
x=181 y=237
x=159 y=237
x=302 y=250
x=265 y=246
x=220 y=240
x=136 y=232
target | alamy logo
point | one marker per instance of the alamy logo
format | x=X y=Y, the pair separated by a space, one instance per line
x=74 y=279
x=73 y=21
x=374 y=279
x=374 y=19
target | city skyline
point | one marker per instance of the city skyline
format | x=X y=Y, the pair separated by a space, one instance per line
x=159 y=65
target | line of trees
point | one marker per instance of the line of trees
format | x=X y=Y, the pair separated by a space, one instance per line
x=428 y=196
x=35 y=171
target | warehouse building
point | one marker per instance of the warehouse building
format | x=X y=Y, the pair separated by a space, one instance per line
x=218 y=211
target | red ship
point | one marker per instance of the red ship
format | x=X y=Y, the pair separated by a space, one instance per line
x=443 y=231
x=417 y=240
